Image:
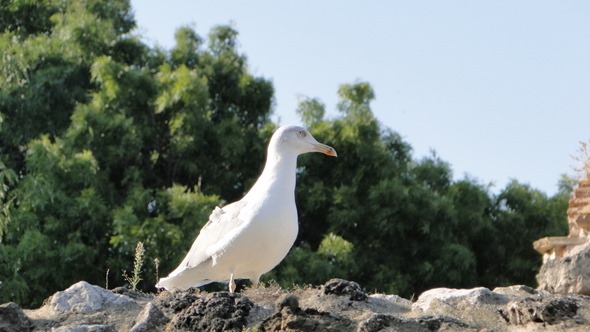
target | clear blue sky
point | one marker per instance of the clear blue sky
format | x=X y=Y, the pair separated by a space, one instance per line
x=499 y=89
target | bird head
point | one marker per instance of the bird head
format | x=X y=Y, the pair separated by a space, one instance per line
x=300 y=141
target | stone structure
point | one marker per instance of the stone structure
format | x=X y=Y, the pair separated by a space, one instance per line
x=566 y=260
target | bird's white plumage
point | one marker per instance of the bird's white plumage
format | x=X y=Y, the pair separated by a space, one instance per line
x=248 y=238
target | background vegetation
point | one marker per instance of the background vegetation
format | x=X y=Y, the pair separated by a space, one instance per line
x=105 y=142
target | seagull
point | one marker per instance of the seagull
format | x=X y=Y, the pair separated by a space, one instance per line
x=247 y=238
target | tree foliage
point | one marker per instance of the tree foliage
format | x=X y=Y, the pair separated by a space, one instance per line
x=106 y=142
x=410 y=226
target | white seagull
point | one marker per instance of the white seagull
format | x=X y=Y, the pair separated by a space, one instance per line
x=247 y=238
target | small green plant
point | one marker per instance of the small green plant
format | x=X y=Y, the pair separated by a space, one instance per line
x=137 y=265
x=157 y=264
x=106 y=280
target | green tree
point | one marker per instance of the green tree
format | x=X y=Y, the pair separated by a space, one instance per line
x=107 y=143
x=522 y=215
x=409 y=224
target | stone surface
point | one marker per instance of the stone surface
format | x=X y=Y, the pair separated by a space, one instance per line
x=290 y=317
x=567 y=275
x=84 y=328
x=149 y=319
x=513 y=308
x=220 y=311
x=440 y=297
x=83 y=298
x=540 y=310
x=12 y=318
x=85 y=307
x=344 y=287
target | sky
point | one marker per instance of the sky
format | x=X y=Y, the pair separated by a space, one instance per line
x=498 y=89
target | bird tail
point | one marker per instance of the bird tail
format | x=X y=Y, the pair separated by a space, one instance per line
x=183 y=280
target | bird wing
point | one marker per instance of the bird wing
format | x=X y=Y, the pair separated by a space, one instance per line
x=223 y=226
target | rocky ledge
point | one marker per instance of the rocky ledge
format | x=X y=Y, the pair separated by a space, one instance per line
x=338 y=305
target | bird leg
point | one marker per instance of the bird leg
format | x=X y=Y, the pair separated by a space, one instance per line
x=232 y=284
x=255 y=282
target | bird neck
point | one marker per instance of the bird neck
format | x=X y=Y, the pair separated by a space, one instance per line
x=278 y=175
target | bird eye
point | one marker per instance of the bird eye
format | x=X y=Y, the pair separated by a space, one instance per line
x=302 y=133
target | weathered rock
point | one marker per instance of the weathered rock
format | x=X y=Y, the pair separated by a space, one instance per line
x=383 y=322
x=477 y=307
x=518 y=291
x=151 y=318
x=292 y=318
x=84 y=328
x=85 y=307
x=540 y=310
x=132 y=294
x=177 y=301
x=513 y=308
x=288 y=300
x=460 y=298
x=342 y=287
x=220 y=311
x=12 y=318
x=567 y=275
x=84 y=298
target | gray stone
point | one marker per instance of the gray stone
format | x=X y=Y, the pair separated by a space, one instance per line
x=309 y=319
x=151 y=318
x=84 y=328
x=567 y=275
x=549 y=310
x=396 y=299
x=513 y=308
x=518 y=291
x=343 y=287
x=287 y=300
x=13 y=319
x=436 y=297
x=221 y=311
x=84 y=298
x=385 y=322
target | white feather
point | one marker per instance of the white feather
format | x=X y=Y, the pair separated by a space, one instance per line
x=248 y=238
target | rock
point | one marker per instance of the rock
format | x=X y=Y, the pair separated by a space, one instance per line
x=383 y=322
x=84 y=328
x=176 y=301
x=309 y=319
x=220 y=311
x=567 y=275
x=391 y=298
x=442 y=323
x=84 y=298
x=12 y=318
x=342 y=287
x=437 y=297
x=87 y=308
x=151 y=318
x=518 y=291
x=477 y=307
x=540 y=310
x=133 y=294
x=288 y=300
